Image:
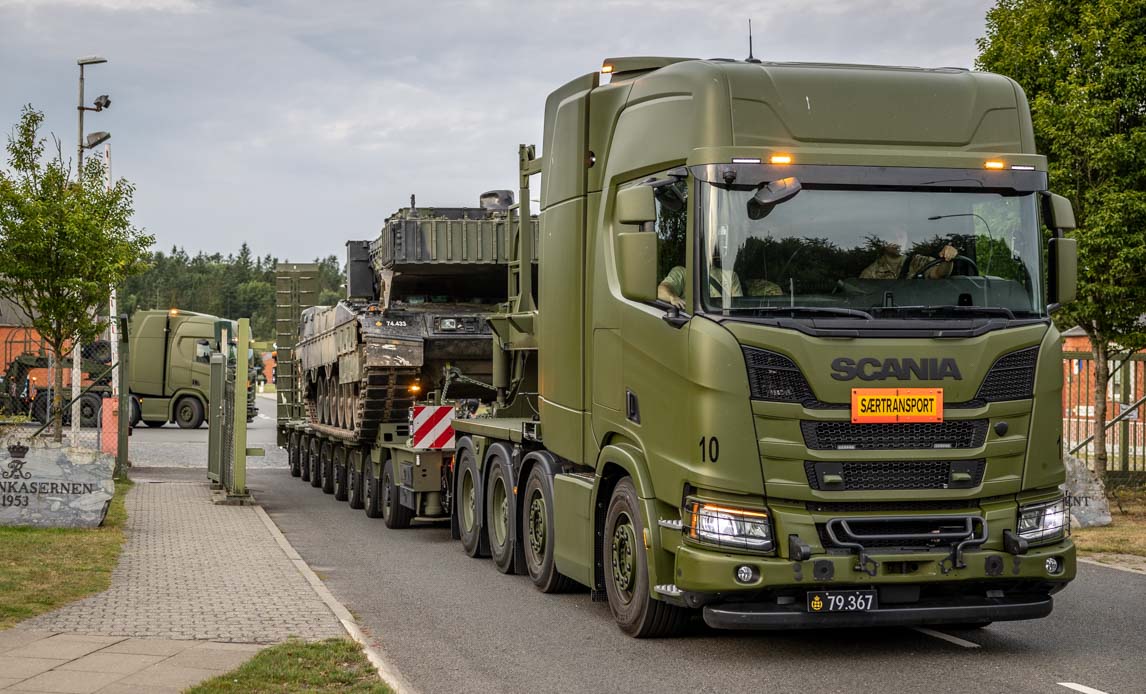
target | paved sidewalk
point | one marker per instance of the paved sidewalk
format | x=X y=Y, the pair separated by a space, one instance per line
x=196 y=585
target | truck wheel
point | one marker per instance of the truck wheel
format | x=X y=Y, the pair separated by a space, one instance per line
x=326 y=456
x=371 y=492
x=339 y=465
x=627 y=573
x=315 y=463
x=189 y=413
x=304 y=457
x=40 y=408
x=500 y=513
x=292 y=455
x=354 y=479
x=90 y=409
x=394 y=514
x=135 y=412
x=469 y=520
x=154 y=423
x=538 y=533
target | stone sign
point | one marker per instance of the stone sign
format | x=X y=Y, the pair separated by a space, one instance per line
x=1088 y=505
x=54 y=486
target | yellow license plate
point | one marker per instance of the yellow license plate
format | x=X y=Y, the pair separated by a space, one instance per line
x=896 y=405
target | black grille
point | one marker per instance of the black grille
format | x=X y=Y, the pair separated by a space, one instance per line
x=1011 y=377
x=887 y=506
x=898 y=474
x=774 y=377
x=923 y=526
x=956 y=433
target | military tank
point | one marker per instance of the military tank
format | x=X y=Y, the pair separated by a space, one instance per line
x=412 y=326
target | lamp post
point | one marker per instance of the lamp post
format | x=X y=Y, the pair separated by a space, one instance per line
x=101 y=102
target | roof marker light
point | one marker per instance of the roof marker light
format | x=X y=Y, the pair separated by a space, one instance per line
x=781 y=159
x=745 y=160
x=1022 y=167
x=606 y=69
x=993 y=164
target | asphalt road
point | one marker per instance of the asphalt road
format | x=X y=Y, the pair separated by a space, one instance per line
x=449 y=623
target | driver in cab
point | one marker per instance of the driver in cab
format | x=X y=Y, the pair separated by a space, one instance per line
x=893 y=264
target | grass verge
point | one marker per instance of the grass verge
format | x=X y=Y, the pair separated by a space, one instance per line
x=1126 y=535
x=334 y=665
x=44 y=568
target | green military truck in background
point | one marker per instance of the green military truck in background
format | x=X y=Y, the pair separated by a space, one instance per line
x=786 y=360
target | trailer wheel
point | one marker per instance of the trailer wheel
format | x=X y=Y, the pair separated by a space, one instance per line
x=91 y=406
x=627 y=572
x=538 y=533
x=354 y=469
x=469 y=517
x=315 y=463
x=371 y=491
x=304 y=457
x=292 y=455
x=394 y=514
x=500 y=513
x=339 y=465
x=326 y=456
x=189 y=412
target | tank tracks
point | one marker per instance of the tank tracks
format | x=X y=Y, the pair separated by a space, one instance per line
x=354 y=411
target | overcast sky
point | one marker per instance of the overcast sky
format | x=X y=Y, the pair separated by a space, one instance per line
x=294 y=125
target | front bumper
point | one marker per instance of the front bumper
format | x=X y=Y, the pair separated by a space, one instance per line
x=950 y=610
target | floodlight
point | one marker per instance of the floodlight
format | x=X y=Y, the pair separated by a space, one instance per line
x=96 y=138
x=90 y=60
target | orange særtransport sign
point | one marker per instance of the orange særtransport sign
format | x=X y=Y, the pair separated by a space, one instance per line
x=896 y=405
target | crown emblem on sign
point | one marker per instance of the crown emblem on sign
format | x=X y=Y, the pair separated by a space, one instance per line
x=17 y=450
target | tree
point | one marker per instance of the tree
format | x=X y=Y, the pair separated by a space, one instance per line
x=63 y=243
x=1083 y=66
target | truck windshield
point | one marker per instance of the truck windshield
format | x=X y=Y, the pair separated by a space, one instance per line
x=876 y=253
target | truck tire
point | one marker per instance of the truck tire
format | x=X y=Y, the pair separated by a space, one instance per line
x=304 y=457
x=500 y=513
x=315 y=463
x=154 y=423
x=469 y=516
x=292 y=455
x=371 y=492
x=135 y=412
x=627 y=572
x=91 y=406
x=394 y=514
x=326 y=456
x=354 y=468
x=189 y=412
x=339 y=465
x=40 y=407
x=537 y=533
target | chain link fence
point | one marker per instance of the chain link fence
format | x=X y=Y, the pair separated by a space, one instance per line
x=1125 y=421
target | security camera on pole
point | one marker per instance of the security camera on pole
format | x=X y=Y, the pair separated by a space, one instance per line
x=93 y=140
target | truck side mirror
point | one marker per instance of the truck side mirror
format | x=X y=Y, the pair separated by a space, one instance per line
x=637 y=263
x=636 y=205
x=1063 y=256
x=1060 y=214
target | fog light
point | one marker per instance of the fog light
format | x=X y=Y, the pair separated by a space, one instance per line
x=747 y=574
x=1054 y=565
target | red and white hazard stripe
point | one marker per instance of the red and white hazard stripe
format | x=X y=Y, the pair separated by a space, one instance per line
x=432 y=426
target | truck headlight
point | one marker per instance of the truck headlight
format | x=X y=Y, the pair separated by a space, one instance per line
x=448 y=324
x=1043 y=522
x=724 y=526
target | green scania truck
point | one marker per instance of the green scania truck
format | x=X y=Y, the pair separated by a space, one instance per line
x=786 y=360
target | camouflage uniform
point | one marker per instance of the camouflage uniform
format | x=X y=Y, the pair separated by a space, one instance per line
x=675 y=282
x=887 y=267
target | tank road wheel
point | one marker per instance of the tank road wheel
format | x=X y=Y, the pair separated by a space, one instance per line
x=538 y=533
x=499 y=514
x=352 y=389
x=469 y=492
x=315 y=463
x=327 y=468
x=394 y=514
x=335 y=403
x=293 y=455
x=371 y=492
x=339 y=465
x=304 y=457
x=354 y=479
x=189 y=412
x=627 y=572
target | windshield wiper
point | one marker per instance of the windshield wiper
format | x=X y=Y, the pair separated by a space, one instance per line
x=850 y=312
x=990 y=311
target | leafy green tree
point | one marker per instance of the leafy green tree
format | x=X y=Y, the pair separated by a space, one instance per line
x=63 y=243
x=1083 y=66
